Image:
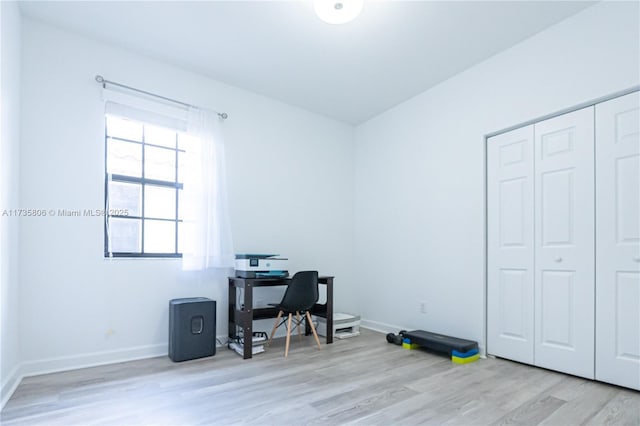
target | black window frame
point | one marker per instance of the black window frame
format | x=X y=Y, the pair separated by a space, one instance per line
x=143 y=182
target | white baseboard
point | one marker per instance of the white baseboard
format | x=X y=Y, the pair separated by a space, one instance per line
x=9 y=385
x=381 y=327
x=75 y=362
x=92 y=359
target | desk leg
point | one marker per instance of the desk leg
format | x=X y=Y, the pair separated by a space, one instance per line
x=247 y=322
x=329 y=310
x=232 y=310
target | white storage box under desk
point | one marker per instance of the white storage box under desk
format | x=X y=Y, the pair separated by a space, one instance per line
x=344 y=325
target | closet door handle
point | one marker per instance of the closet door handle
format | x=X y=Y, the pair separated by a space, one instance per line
x=558 y=259
x=636 y=259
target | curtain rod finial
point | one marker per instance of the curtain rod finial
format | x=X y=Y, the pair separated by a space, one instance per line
x=99 y=79
x=223 y=115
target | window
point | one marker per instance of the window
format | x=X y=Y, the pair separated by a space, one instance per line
x=143 y=189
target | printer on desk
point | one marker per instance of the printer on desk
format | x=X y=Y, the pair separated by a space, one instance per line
x=261 y=266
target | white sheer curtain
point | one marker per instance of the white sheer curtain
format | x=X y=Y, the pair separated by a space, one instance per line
x=207 y=241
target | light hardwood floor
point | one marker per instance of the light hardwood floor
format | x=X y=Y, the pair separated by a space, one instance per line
x=363 y=380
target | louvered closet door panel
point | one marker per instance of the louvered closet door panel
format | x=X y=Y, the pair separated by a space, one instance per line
x=510 y=245
x=618 y=241
x=564 y=243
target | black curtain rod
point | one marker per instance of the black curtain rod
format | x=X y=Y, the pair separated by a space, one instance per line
x=104 y=83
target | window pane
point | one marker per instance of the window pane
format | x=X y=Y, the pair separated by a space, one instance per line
x=159 y=163
x=182 y=158
x=126 y=196
x=124 y=158
x=185 y=231
x=186 y=141
x=159 y=202
x=180 y=204
x=159 y=136
x=124 y=235
x=141 y=151
x=159 y=236
x=123 y=128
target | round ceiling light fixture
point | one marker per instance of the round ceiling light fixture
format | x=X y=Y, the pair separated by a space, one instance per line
x=338 y=11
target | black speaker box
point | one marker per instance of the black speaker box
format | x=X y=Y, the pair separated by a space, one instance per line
x=192 y=328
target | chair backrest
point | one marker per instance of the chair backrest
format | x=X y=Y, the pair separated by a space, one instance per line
x=302 y=292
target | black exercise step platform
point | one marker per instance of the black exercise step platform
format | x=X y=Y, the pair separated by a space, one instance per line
x=439 y=342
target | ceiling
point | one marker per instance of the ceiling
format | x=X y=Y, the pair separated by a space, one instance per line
x=352 y=72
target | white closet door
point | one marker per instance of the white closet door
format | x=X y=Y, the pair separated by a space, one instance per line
x=618 y=241
x=510 y=245
x=564 y=243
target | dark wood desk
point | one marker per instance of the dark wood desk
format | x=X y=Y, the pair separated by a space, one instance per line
x=242 y=316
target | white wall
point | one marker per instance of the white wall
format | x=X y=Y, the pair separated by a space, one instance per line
x=420 y=167
x=289 y=174
x=9 y=155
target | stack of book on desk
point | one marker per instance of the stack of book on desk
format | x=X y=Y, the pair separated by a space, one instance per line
x=258 y=340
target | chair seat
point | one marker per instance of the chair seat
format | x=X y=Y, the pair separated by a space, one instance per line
x=284 y=309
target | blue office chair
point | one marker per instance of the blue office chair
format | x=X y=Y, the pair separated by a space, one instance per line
x=299 y=298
